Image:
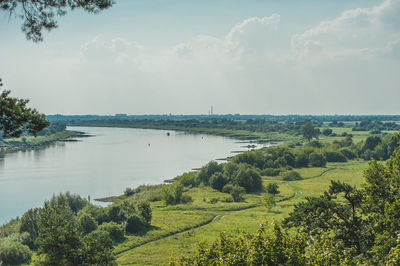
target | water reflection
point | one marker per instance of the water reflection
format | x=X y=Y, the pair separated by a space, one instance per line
x=103 y=165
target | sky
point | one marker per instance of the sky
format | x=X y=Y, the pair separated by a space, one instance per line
x=184 y=56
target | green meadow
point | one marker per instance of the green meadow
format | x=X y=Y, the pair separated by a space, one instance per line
x=177 y=230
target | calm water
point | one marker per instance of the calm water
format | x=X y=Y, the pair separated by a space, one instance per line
x=103 y=165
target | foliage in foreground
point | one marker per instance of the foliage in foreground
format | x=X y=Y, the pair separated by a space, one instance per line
x=270 y=246
x=344 y=226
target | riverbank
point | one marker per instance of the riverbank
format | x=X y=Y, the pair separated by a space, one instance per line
x=31 y=143
x=268 y=133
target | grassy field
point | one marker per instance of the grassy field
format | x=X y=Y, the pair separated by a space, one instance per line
x=177 y=230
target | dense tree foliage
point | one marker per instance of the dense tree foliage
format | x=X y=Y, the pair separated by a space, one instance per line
x=309 y=131
x=344 y=226
x=41 y=15
x=16 y=118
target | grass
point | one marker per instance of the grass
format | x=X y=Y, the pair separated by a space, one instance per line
x=177 y=230
x=31 y=141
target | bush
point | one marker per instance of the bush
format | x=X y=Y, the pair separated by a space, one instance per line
x=208 y=170
x=248 y=178
x=272 y=188
x=13 y=253
x=317 y=160
x=315 y=144
x=327 y=132
x=213 y=200
x=291 y=176
x=115 y=230
x=217 y=181
x=349 y=154
x=135 y=224
x=301 y=160
x=73 y=201
x=115 y=213
x=270 y=172
x=97 y=249
x=186 y=199
x=255 y=158
x=188 y=179
x=86 y=223
x=237 y=193
x=334 y=156
x=97 y=212
x=129 y=192
x=145 y=211
x=227 y=188
x=173 y=194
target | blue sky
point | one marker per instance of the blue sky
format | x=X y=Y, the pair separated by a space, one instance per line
x=270 y=57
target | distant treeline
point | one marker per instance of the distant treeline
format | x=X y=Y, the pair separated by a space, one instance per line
x=321 y=118
x=240 y=129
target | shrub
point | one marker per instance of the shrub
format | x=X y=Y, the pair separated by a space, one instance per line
x=248 y=178
x=115 y=230
x=129 y=192
x=73 y=201
x=272 y=188
x=173 y=194
x=301 y=160
x=270 y=172
x=349 y=154
x=327 y=132
x=208 y=170
x=291 y=176
x=213 y=200
x=135 y=224
x=269 y=201
x=217 y=181
x=188 y=179
x=145 y=211
x=97 y=249
x=227 y=188
x=186 y=199
x=97 y=212
x=86 y=223
x=237 y=193
x=334 y=156
x=255 y=158
x=115 y=213
x=317 y=160
x=13 y=253
x=315 y=144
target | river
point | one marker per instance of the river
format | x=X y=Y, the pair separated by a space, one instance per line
x=103 y=165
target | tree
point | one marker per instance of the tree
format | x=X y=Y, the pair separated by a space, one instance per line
x=317 y=160
x=237 y=193
x=41 y=15
x=208 y=170
x=97 y=249
x=13 y=253
x=217 y=181
x=269 y=201
x=16 y=118
x=86 y=223
x=309 y=131
x=272 y=188
x=29 y=224
x=58 y=236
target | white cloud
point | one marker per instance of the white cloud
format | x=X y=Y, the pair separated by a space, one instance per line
x=361 y=32
x=252 y=68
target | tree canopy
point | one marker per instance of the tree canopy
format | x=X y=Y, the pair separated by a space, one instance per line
x=309 y=131
x=16 y=118
x=41 y=15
